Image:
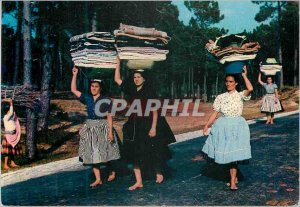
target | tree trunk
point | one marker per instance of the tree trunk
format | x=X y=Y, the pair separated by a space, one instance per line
x=86 y=24
x=295 y=67
x=189 y=84
x=27 y=44
x=47 y=63
x=30 y=114
x=94 y=22
x=279 y=41
x=18 y=42
x=193 y=91
x=217 y=83
x=173 y=89
x=204 y=86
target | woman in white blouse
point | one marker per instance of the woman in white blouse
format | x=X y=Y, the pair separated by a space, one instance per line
x=229 y=138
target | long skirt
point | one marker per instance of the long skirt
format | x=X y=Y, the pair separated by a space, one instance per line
x=269 y=105
x=228 y=141
x=94 y=146
x=149 y=153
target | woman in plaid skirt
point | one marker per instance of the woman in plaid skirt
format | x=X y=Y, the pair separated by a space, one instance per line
x=10 y=141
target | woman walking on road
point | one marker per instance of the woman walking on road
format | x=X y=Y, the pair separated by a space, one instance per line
x=146 y=138
x=229 y=138
x=271 y=103
x=98 y=139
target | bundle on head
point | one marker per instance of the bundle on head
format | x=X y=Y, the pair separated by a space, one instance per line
x=140 y=64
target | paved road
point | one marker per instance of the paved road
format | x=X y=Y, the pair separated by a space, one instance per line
x=271 y=178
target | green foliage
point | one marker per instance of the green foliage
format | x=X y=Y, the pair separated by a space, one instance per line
x=187 y=52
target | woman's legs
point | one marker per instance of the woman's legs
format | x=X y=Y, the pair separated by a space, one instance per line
x=159 y=176
x=268 y=118
x=138 y=177
x=233 y=176
x=111 y=170
x=12 y=161
x=5 y=165
x=272 y=118
x=97 y=174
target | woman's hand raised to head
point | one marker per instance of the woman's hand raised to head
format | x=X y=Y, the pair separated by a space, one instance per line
x=245 y=70
x=75 y=70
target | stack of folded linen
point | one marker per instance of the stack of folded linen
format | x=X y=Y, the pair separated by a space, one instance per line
x=230 y=48
x=270 y=67
x=93 y=50
x=138 y=43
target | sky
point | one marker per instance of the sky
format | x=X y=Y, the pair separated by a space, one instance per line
x=239 y=15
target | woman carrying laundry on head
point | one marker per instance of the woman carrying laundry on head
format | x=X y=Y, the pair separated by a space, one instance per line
x=145 y=137
x=98 y=139
x=12 y=133
x=271 y=103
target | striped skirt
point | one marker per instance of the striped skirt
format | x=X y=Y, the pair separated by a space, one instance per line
x=270 y=105
x=94 y=146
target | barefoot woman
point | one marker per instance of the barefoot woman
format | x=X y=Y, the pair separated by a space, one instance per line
x=146 y=138
x=229 y=139
x=98 y=139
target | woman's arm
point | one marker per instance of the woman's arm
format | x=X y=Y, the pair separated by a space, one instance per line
x=11 y=108
x=118 y=79
x=276 y=95
x=110 y=126
x=73 y=82
x=152 y=132
x=259 y=79
x=210 y=121
x=247 y=82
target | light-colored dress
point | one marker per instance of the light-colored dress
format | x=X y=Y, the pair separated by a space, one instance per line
x=270 y=103
x=229 y=137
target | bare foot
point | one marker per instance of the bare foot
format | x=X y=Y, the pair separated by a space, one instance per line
x=267 y=122
x=234 y=188
x=111 y=177
x=159 y=178
x=135 y=186
x=96 y=183
x=271 y=122
x=236 y=182
x=12 y=164
x=5 y=167
x=198 y=158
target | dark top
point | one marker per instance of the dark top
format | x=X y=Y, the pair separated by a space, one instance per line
x=131 y=93
x=88 y=100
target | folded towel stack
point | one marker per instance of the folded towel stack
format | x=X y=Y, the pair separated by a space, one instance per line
x=141 y=45
x=94 y=50
x=230 y=48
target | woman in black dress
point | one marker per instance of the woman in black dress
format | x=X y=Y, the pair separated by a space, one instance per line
x=145 y=138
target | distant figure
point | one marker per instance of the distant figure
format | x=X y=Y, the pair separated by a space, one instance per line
x=12 y=134
x=98 y=139
x=229 y=139
x=271 y=103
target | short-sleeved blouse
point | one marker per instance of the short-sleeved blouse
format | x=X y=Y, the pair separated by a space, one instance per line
x=230 y=105
x=88 y=100
x=270 y=88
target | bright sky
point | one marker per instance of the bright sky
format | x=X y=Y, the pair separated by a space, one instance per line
x=238 y=14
